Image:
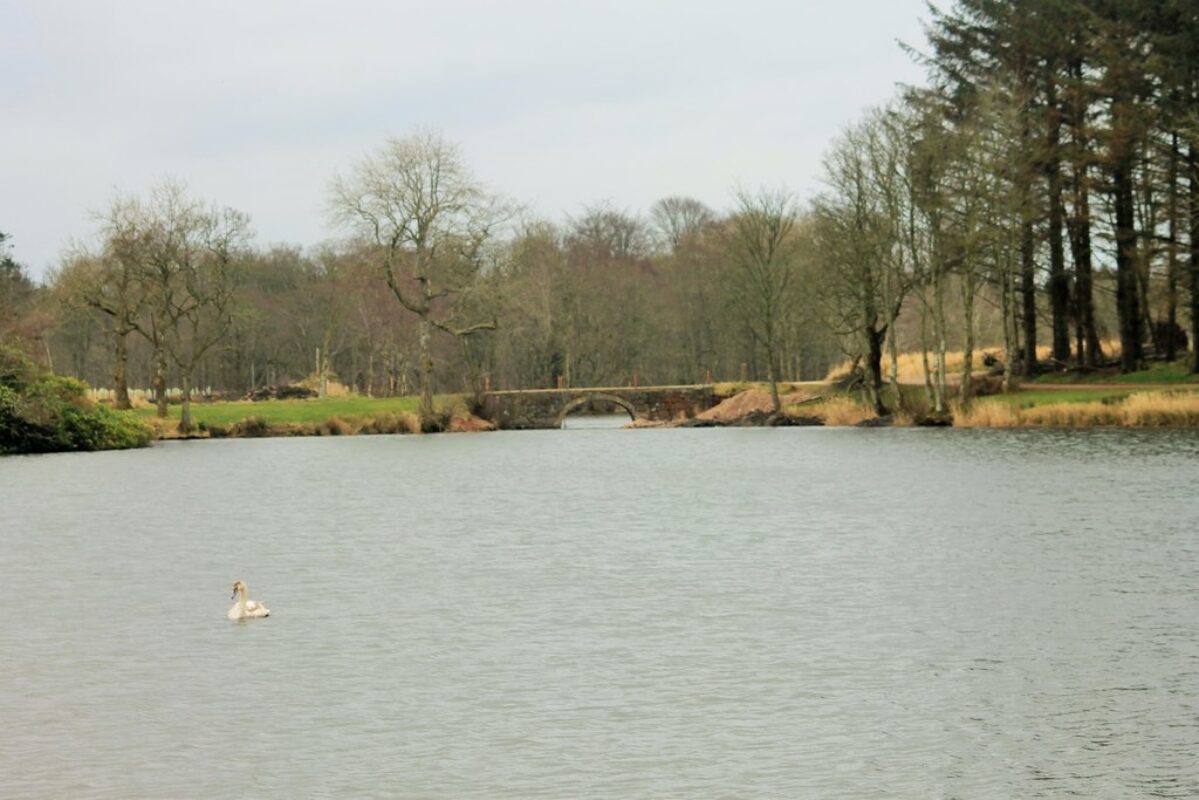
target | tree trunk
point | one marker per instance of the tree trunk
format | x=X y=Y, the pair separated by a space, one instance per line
x=1084 y=300
x=1028 y=297
x=1172 y=260
x=1079 y=224
x=941 y=343
x=1128 y=301
x=1059 y=284
x=928 y=372
x=185 y=414
x=968 y=292
x=121 y=370
x=1028 y=276
x=772 y=376
x=1193 y=180
x=893 y=358
x=1007 y=314
x=1143 y=263
x=428 y=416
x=874 y=368
x=160 y=382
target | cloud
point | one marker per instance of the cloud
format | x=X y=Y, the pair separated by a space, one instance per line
x=256 y=105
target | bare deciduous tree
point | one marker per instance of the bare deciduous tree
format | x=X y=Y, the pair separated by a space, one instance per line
x=677 y=218
x=107 y=285
x=867 y=242
x=188 y=253
x=429 y=220
x=763 y=250
x=606 y=233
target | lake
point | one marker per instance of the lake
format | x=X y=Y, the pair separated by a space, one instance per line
x=606 y=613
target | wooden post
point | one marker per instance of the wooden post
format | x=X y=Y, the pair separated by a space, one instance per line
x=487 y=383
x=561 y=381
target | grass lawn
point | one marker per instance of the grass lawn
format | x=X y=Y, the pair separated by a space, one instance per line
x=1158 y=372
x=1027 y=398
x=299 y=411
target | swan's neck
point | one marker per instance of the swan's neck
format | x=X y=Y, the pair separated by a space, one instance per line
x=241 y=598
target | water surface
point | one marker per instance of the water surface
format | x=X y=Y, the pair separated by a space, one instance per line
x=606 y=613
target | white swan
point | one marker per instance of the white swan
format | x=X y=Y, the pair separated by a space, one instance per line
x=243 y=608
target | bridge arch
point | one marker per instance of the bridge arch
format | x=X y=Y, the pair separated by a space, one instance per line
x=583 y=399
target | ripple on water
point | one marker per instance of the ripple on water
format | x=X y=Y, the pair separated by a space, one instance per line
x=606 y=613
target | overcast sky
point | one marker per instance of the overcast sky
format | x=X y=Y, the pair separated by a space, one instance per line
x=556 y=103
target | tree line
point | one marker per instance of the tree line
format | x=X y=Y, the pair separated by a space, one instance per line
x=437 y=285
x=1047 y=171
x=1040 y=188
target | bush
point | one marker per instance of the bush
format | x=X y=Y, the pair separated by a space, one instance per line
x=251 y=428
x=41 y=412
x=388 y=422
x=214 y=430
x=336 y=426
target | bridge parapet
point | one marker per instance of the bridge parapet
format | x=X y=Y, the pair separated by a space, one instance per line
x=546 y=408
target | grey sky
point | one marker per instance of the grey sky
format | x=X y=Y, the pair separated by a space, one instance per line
x=557 y=104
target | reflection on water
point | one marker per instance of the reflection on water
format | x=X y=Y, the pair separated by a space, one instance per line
x=668 y=613
x=595 y=421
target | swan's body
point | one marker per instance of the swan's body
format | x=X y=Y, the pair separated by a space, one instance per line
x=243 y=608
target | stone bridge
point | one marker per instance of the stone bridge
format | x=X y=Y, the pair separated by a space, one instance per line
x=547 y=408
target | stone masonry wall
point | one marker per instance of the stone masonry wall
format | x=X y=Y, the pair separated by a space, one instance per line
x=541 y=408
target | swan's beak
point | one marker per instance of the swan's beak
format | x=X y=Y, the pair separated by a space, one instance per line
x=234 y=595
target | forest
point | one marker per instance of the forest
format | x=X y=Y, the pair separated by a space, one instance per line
x=1039 y=190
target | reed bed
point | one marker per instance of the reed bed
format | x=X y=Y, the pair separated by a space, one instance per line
x=985 y=415
x=1162 y=409
x=261 y=427
x=1139 y=410
x=1073 y=415
x=837 y=410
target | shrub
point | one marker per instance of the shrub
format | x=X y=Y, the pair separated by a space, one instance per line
x=336 y=426
x=251 y=428
x=388 y=422
x=214 y=430
x=41 y=412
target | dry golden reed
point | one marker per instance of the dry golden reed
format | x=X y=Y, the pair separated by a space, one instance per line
x=840 y=410
x=1140 y=410
x=336 y=426
x=387 y=422
x=985 y=415
x=1072 y=415
x=1162 y=409
x=911 y=365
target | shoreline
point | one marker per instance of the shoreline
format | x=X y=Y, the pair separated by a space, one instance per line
x=1033 y=405
x=1175 y=409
